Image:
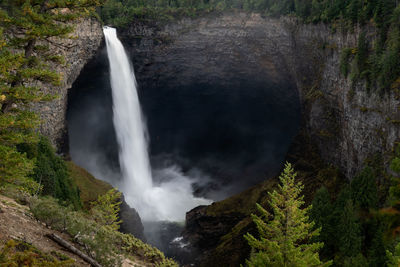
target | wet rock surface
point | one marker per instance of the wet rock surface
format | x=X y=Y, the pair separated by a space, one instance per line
x=131 y=221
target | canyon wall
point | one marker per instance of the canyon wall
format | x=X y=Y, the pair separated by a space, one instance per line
x=348 y=124
x=77 y=51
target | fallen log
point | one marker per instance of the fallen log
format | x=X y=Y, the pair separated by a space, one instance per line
x=62 y=242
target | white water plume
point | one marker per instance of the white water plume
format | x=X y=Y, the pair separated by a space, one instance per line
x=169 y=200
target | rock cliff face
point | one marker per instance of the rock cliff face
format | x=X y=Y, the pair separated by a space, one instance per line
x=77 y=52
x=349 y=125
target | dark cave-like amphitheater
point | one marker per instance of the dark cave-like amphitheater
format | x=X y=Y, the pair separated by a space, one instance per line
x=231 y=132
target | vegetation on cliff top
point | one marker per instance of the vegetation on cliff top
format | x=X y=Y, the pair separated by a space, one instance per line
x=377 y=62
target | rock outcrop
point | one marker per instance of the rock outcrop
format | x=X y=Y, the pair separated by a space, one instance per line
x=77 y=51
x=131 y=222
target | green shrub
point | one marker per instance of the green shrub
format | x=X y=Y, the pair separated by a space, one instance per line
x=19 y=253
x=52 y=174
x=364 y=189
x=47 y=210
x=106 y=209
x=101 y=241
x=89 y=187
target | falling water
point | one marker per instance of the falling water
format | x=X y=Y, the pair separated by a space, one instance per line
x=168 y=200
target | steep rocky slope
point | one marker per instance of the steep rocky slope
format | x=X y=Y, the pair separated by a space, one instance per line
x=17 y=223
x=91 y=188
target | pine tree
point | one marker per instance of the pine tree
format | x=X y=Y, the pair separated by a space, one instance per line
x=322 y=215
x=349 y=231
x=106 y=209
x=52 y=174
x=376 y=250
x=285 y=240
x=27 y=30
x=364 y=190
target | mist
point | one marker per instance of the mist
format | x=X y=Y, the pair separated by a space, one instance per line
x=223 y=137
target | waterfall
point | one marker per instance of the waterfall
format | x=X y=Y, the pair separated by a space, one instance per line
x=168 y=200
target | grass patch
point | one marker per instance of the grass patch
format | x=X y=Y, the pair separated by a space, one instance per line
x=243 y=202
x=20 y=253
x=89 y=187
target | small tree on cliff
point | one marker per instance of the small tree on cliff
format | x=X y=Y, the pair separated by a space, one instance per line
x=286 y=239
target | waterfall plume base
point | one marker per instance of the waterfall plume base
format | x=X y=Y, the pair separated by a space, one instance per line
x=226 y=134
x=173 y=197
x=218 y=136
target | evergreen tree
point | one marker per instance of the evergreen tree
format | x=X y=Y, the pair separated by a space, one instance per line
x=356 y=261
x=27 y=29
x=364 y=190
x=52 y=174
x=106 y=209
x=349 y=231
x=322 y=215
x=376 y=251
x=285 y=240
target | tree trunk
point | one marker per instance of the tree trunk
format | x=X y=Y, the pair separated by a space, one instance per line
x=73 y=249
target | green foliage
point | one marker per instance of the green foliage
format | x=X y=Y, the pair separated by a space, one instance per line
x=19 y=253
x=352 y=229
x=89 y=187
x=322 y=214
x=395 y=165
x=48 y=210
x=102 y=242
x=27 y=29
x=106 y=209
x=285 y=240
x=355 y=261
x=376 y=251
x=391 y=213
x=394 y=190
x=349 y=231
x=364 y=190
x=393 y=258
x=52 y=174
